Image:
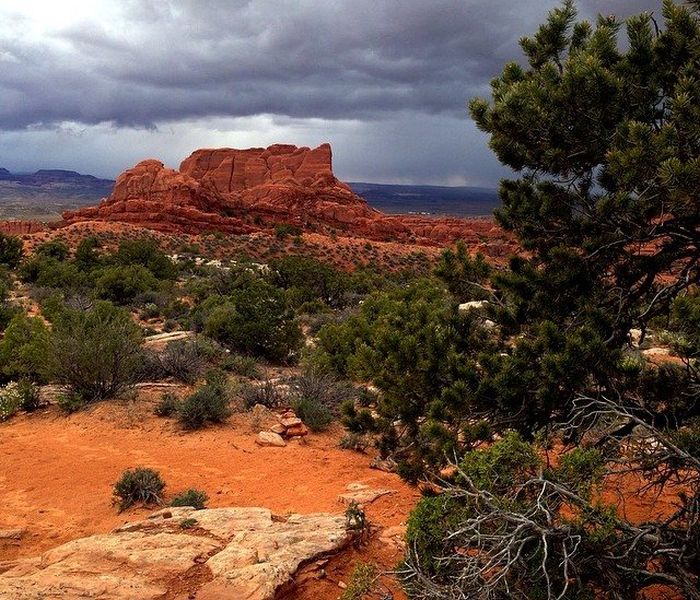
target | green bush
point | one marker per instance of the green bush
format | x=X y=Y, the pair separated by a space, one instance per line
x=314 y=414
x=24 y=349
x=70 y=402
x=11 y=249
x=363 y=581
x=54 y=249
x=209 y=404
x=184 y=360
x=146 y=253
x=28 y=394
x=140 y=485
x=96 y=353
x=195 y=498
x=121 y=284
x=428 y=529
x=49 y=272
x=238 y=364
x=255 y=319
x=284 y=230
x=168 y=405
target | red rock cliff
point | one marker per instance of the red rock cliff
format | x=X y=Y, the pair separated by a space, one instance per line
x=241 y=191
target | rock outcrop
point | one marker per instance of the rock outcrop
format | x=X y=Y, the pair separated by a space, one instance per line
x=21 y=227
x=243 y=553
x=243 y=191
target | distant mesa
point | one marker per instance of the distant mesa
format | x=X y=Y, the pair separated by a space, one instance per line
x=244 y=191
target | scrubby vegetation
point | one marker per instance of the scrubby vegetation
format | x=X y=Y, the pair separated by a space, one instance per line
x=208 y=404
x=516 y=394
x=195 y=498
x=139 y=486
x=604 y=135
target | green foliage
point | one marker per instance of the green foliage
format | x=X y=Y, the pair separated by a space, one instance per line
x=283 y=230
x=507 y=463
x=422 y=355
x=145 y=252
x=185 y=360
x=8 y=310
x=140 y=485
x=10 y=250
x=70 y=402
x=28 y=392
x=86 y=255
x=314 y=414
x=167 y=406
x=428 y=529
x=244 y=366
x=602 y=134
x=50 y=272
x=465 y=276
x=357 y=421
x=306 y=280
x=121 y=284
x=581 y=469
x=599 y=131
x=363 y=580
x=24 y=349
x=208 y=404
x=97 y=352
x=54 y=249
x=685 y=321
x=195 y=498
x=255 y=319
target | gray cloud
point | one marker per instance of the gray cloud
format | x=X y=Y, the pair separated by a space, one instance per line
x=390 y=66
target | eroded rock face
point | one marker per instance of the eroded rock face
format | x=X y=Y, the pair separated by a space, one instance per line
x=243 y=191
x=21 y=227
x=243 y=553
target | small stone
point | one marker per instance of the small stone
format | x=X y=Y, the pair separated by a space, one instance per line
x=342 y=585
x=291 y=422
x=361 y=494
x=299 y=430
x=11 y=534
x=278 y=428
x=270 y=438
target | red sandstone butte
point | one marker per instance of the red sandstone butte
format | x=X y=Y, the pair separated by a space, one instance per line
x=243 y=191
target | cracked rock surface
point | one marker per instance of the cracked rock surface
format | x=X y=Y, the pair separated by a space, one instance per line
x=242 y=553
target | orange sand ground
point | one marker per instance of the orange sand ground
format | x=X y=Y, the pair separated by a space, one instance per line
x=57 y=472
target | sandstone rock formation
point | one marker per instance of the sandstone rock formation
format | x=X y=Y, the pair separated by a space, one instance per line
x=21 y=227
x=243 y=191
x=242 y=553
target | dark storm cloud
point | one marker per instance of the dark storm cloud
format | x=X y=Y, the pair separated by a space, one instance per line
x=317 y=58
x=386 y=81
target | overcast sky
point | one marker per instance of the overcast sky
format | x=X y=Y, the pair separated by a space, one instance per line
x=97 y=85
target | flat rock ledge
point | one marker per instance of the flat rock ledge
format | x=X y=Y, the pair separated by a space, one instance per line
x=180 y=553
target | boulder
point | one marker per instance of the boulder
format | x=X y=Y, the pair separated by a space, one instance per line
x=246 y=553
x=361 y=494
x=269 y=438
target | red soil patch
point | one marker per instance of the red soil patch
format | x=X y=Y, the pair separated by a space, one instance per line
x=57 y=472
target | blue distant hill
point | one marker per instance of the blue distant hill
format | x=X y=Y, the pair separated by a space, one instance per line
x=428 y=199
